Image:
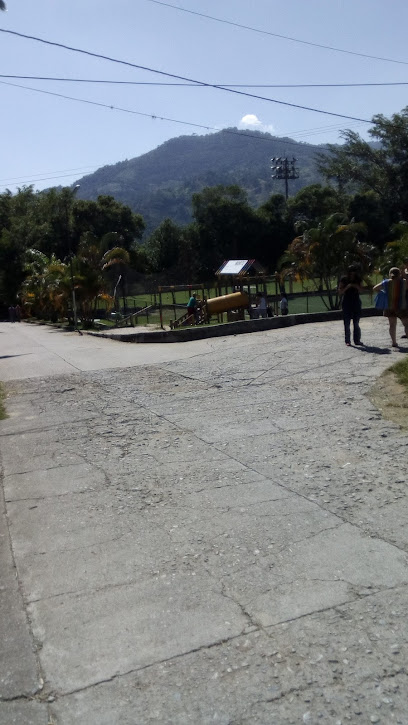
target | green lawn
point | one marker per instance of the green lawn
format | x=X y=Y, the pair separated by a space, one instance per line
x=304 y=304
x=401 y=370
x=182 y=297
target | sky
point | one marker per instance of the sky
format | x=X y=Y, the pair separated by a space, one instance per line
x=48 y=140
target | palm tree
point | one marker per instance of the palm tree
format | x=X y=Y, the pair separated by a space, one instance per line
x=396 y=251
x=91 y=284
x=323 y=253
x=45 y=292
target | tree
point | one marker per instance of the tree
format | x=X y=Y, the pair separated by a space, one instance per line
x=323 y=253
x=107 y=215
x=90 y=279
x=227 y=227
x=277 y=232
x=18 y=231
x=367 y=207
x=53 y=222
x=163 y=247
x=2 y=5
x=314 y=203
x=396 y=251
x=45 y=292
x=381 y=167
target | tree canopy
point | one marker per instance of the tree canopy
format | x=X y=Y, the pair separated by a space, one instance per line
x=53 y=222
x=380 y=167
x=323 y=253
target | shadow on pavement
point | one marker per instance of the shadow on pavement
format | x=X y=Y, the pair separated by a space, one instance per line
x=376 y=350
x=52 y=329
x=21 y=354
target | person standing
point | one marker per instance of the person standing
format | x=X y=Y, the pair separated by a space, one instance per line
x=192 y=308
x=404 y=275
x=349 y=289
x=396 y=290
x=261 y=305
x=283 y=304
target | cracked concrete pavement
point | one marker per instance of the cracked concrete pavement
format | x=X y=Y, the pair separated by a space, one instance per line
x=209 y=532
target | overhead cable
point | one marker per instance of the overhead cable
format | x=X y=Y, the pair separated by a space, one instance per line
x=160 y=118
x=194 y=85
x=181 y=78
x=277 y=35
x=58 y=171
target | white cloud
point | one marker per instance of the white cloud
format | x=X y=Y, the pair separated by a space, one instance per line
x=250 y=120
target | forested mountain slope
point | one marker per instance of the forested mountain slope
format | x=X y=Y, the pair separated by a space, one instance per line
x=160 y=183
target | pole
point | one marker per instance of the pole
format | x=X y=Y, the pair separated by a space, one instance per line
x=284 y=169
x=74 y=308
x=161 y=309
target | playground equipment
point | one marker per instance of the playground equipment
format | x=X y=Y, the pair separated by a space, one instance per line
x=240 y=279
x=186 y=318
x=225 y=303
x=213 y=306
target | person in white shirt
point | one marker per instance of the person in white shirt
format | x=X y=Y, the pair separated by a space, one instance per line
x=261 y=309
x=283 y=304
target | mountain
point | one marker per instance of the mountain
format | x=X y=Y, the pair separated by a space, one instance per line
x=160 y=183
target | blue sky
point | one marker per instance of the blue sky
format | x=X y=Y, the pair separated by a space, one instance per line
x=48 y=140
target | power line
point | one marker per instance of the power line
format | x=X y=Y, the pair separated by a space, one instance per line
x=161 y=118
x=194 y=85
x=110 y=106
x=90 y=168
x=181 y=78
x=24 y=181
x=277 y=35
x=57 y=171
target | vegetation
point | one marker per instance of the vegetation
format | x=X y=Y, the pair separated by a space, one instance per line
x=401 y=370
x=56 y=247
x=160 y=184
x=53 y=223
x=324 y=252
x=380 y=168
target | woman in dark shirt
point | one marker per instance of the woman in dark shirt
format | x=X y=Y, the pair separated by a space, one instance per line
x=350 y=288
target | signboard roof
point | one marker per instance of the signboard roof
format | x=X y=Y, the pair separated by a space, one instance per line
x=240 y=267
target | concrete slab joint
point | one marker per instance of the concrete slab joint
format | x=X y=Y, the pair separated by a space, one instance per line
x=212 y=535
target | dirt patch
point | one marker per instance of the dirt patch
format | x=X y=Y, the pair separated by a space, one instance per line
x=391 y=398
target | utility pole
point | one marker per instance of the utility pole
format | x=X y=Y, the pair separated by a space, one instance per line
x=284 y=168
x=70 y=201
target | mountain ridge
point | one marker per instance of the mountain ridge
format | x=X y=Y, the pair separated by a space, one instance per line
x=159 y=184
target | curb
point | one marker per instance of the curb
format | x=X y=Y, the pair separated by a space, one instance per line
x=232 y=328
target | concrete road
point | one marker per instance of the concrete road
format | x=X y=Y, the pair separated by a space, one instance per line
x=211 y=532
x=36 y=351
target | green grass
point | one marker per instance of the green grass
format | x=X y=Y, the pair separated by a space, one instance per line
x=306 y=303
x=401 y=371
x=3 y=413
